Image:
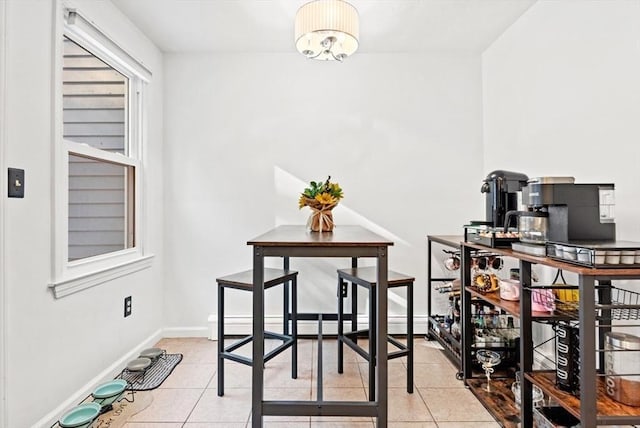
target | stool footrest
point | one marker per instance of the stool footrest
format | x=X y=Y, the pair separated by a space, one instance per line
x=357 y=348
x=240 y=343
x=358 y=333
x=402 y=351
x=396 y=343
x=279 y=349
x=228 y=354
x=397 y=354
x=237 y=358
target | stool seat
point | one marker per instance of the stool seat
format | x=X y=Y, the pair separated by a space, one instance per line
x=369 y=275
x=139 y=364
x=152 y=353
x=244 y=280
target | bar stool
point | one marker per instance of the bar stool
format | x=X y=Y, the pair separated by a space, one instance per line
x=367 y=277
x=244 y=281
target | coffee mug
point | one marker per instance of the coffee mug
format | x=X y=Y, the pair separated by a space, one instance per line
x=509 y=289
x=452 y=262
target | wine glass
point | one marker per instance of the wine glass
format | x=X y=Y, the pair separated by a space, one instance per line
x=488 y=359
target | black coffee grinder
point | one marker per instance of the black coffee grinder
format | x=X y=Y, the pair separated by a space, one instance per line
x=501 y=188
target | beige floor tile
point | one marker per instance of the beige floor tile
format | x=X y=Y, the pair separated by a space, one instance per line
x=212 y=425
x=235 y=406
x=284 y=424
x=193 y=349
x=152 y=425
x=305 y=349
x=169 y=405
x=435 y=376
x=292 y=394
x=395 y=424
x=190 y=394
x=340 y=394
x=197 y=375
x=454 y=405
x=397 y=375
x=278 y=375
x=343 y=424
x=330 y=352
x=467 y=425
x=430 y=351
x=349 y=378
x=236 y=375
x=406 y=407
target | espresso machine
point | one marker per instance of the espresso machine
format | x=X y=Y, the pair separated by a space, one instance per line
x=502 y=190
x=576 y=212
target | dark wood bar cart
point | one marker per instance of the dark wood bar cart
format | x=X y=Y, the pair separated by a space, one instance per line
x=592 y=313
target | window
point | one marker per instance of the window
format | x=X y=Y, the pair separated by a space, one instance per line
x=94 y=111
x=99 y=140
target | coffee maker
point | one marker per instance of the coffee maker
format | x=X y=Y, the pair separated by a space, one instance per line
x=501 y=188
x=576 y=212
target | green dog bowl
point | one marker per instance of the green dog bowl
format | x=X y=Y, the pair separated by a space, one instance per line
x=108 y=393
x=110 y=389
x=80 y=416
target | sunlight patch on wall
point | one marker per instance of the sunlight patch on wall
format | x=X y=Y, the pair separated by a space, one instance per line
x=320 y=276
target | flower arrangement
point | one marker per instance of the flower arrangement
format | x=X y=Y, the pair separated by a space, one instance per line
x=321 y=197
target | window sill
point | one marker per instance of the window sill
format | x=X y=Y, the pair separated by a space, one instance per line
x=65 y=287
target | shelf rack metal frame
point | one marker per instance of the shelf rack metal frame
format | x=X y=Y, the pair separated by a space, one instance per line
x=450 y=241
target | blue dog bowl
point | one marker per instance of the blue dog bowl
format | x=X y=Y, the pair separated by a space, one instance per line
x=109 y=392
x=80 y=416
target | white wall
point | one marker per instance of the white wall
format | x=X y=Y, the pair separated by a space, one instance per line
x=400 y=133
x=561 y=96
x=3 y=301
x=56 y=347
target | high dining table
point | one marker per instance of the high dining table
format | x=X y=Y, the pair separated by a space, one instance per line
x=298 y=241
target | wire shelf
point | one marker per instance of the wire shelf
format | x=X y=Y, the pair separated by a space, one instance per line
x=625 y=305
x=564 y=301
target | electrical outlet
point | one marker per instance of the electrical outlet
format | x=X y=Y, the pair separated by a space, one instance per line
x=127 y=306
x=16 y=183
x=344 y=290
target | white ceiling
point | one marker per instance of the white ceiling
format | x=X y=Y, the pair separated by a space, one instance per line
x=267 y=25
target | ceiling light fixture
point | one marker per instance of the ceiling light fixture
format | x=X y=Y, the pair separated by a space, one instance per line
x=327 y=30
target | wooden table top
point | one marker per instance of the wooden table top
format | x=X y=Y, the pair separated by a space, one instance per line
x=301 y=236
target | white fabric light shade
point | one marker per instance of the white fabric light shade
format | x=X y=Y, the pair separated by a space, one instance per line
x=327 y=29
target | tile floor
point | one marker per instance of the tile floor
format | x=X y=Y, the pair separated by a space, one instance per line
x=188 y=398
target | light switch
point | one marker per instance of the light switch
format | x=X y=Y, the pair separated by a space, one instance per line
x=16 y=183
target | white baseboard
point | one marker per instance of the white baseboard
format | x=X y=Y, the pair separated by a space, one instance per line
x=243 y=325
x=185 y=332
x=109 y=373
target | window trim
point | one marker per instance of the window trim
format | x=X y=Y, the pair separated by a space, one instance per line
x=71 y=277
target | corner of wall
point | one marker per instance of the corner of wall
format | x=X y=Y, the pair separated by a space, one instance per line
x=3 y=166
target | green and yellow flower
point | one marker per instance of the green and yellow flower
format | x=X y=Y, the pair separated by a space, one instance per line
x=321 y=195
